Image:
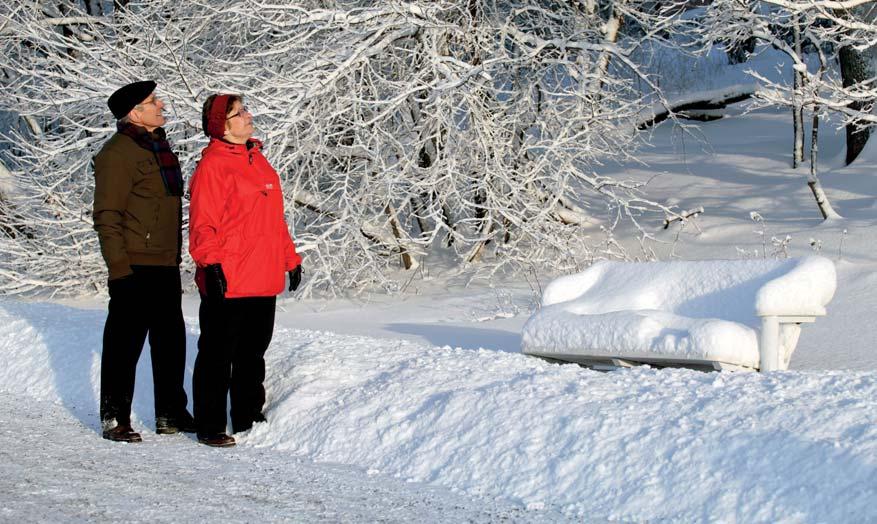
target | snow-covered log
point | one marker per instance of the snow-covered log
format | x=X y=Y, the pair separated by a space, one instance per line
x=697 y=106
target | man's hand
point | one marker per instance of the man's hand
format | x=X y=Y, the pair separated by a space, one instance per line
x=295 y=278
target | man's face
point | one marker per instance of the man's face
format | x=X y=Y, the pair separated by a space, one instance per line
x=148 y=113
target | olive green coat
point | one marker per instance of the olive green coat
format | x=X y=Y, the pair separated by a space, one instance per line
x=137 y=222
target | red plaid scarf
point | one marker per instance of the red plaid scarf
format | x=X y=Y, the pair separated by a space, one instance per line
x=168 y=164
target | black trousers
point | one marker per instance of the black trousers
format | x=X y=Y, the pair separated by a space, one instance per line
x=235 y=333
x=145 y=303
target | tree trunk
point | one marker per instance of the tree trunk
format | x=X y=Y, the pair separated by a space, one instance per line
x=797 y=105
x=407 y=260
x=610 y=31
x=854 y=69
x=813 y=181
x=485 y=228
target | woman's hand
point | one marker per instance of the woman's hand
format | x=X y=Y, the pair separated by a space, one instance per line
x=216 y=283
x=295 y=278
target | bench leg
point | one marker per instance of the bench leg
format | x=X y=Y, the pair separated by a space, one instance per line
x=768 y=346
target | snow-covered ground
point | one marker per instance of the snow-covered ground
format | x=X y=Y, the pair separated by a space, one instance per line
x=421 y=408
x=55 y=469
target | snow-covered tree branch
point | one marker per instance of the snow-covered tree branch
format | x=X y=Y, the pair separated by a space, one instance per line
x=830 y=45
x=462 y=130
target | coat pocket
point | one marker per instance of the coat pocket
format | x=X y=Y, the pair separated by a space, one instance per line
x=139 y=219
x=147 y=181
x=266 y=213
x=163 y=231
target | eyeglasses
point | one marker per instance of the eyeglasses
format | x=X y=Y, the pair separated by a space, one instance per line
x=241 y=111
x=139 y=106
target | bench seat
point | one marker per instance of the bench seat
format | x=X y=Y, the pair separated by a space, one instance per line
x=716 y=314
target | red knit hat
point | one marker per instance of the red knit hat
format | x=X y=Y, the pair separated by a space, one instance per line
x=216 y=117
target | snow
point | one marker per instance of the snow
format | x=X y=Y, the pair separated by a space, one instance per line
x=55 y=469
x=534 y=437
x=420 y=407
x=640 y=334
x=804 y=290
x=690 y=310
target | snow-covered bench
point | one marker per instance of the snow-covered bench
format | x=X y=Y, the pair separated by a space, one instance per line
x=720 y=314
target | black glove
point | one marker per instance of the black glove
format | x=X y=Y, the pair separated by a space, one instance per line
x=295 y=278
x=215 y=282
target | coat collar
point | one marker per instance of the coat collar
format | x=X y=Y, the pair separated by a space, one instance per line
x=219 y=145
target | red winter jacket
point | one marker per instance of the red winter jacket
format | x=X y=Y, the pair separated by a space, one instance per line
x=236 y=219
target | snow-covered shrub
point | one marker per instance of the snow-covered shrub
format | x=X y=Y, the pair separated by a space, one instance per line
x=468 y=130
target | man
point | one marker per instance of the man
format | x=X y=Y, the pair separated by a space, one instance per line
x=138 y=215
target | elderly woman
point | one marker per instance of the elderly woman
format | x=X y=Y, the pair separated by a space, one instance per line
x=240 y=242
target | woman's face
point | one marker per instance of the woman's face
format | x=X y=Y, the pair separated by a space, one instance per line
x=239 y=124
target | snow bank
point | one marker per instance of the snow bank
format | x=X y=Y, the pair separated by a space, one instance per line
x=632 y=445
x=691 y=310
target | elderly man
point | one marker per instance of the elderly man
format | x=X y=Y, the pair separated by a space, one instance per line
x=137 y=215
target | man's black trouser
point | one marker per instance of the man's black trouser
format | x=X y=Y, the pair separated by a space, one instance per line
x=147 y=302
x=235 y=333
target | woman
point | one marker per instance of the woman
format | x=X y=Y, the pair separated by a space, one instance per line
x=241 y=245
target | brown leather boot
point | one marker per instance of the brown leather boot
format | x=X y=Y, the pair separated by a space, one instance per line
x=170 y=425
x=116 y=432
x=217 y=440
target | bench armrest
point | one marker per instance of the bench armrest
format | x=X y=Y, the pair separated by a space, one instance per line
x=779 y=336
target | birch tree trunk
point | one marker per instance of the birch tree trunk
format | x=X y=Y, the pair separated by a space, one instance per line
x=797 y=99
x=610 y=37
x=813 y=180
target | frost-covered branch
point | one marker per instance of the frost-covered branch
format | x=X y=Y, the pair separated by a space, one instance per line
x=403 y=131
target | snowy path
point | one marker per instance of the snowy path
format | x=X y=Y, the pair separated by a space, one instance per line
x=631 y=445
x=54 y=469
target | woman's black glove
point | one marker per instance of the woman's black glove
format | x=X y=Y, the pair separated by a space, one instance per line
x=295 y=278
x=216 y=283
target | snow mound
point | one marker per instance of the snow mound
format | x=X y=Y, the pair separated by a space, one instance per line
x=632 y=445
x=686 y=310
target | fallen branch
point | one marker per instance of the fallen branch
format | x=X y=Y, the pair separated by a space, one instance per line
x=685 y=215
x=703 y=108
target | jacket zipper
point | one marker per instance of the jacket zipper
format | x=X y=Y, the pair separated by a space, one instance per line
x=154 y=224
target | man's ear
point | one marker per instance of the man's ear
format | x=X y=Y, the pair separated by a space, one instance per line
x=134 y=116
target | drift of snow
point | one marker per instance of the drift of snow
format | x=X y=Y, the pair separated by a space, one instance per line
x=699 y=310
x=768 y=447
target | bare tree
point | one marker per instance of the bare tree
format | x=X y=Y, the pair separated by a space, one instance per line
x=820 y=29
x=404 y=131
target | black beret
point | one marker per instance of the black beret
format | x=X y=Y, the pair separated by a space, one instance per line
x=126 y=97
